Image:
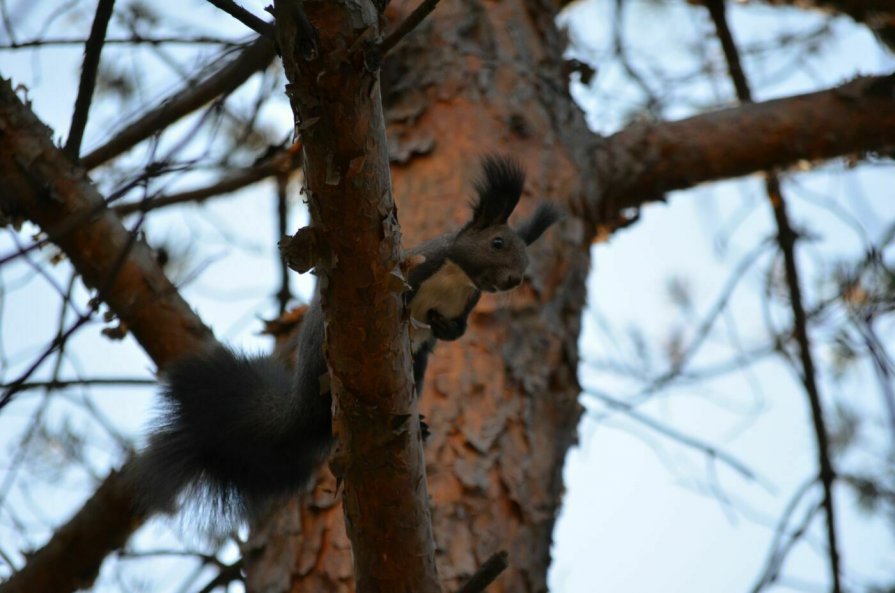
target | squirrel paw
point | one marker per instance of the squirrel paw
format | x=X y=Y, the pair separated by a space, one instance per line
x=443 y=328
x=424 y=429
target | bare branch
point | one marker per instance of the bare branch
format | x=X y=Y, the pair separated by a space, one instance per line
x=486 y=574
x=245 y=17
x=407 y=25
x=784 y=540
x=92 y=50
x=281 y=164
x=256 y=56
x=643 y=161
x=878 y=15
x=786 y=238
x=41 y=184
x=95 y=382
x=135 y=39
x=711 y=451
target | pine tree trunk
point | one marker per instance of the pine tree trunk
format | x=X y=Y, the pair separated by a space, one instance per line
x=476 y=77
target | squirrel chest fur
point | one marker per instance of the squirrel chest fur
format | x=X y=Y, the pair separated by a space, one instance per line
x=447 y=291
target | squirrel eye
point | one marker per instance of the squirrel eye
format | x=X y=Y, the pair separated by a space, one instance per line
x=497 y=242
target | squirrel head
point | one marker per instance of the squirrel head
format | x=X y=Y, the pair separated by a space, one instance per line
x=490 y=251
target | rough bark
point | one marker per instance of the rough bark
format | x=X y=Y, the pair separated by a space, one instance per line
x=502 y=402
x=379 y=460
x=643 y=161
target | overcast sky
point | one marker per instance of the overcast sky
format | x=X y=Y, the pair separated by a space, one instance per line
x=642 y=513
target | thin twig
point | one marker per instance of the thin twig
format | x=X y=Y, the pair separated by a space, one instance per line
x=486 y=573
x=281 y=163
x=779 y=554
x=709 y=450
x=230 y=184
x=786 y=238
x=194 y=95
x=136 y=39
x=408 y=25
x=62 y=337
x=653 y=103
x=717 y=11
x=92 y=50
x=245 y=17
x=97 y=382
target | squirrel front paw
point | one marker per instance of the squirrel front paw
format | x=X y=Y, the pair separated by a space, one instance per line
x=443 y=328
x=424 y=429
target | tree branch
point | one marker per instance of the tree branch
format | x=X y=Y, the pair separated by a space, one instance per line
x=375 y=417
x=786 y=238
x=92 y=50
x=281 y=164
x=245 y=17
x=407 y=25
x=640 y=163
x=41 y=184
x=877 y=15
x=256 y=56
x=486 y=573
x=99 y=381
x=134 y=39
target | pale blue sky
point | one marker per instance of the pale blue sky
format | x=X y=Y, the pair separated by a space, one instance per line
x=637 y=516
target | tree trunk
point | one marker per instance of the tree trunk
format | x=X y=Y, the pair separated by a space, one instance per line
x=502 y=401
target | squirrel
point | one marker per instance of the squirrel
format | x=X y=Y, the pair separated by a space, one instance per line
x=242 y=431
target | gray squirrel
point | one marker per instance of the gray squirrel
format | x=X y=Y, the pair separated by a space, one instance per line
x=241 y=431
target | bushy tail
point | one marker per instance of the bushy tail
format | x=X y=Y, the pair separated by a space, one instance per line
x=231 y=433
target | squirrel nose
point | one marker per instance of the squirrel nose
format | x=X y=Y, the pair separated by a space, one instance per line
x=513 y=281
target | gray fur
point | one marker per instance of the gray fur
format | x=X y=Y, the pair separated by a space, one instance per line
x=240 y=431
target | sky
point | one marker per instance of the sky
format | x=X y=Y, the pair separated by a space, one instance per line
x=641 y=513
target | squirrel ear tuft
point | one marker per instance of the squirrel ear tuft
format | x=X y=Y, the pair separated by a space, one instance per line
x=499 y=189
x=534 y=226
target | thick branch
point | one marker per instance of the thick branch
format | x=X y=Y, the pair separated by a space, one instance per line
x=642 y=162
x=41 y=184
x=256 y=56
x=380 y=461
